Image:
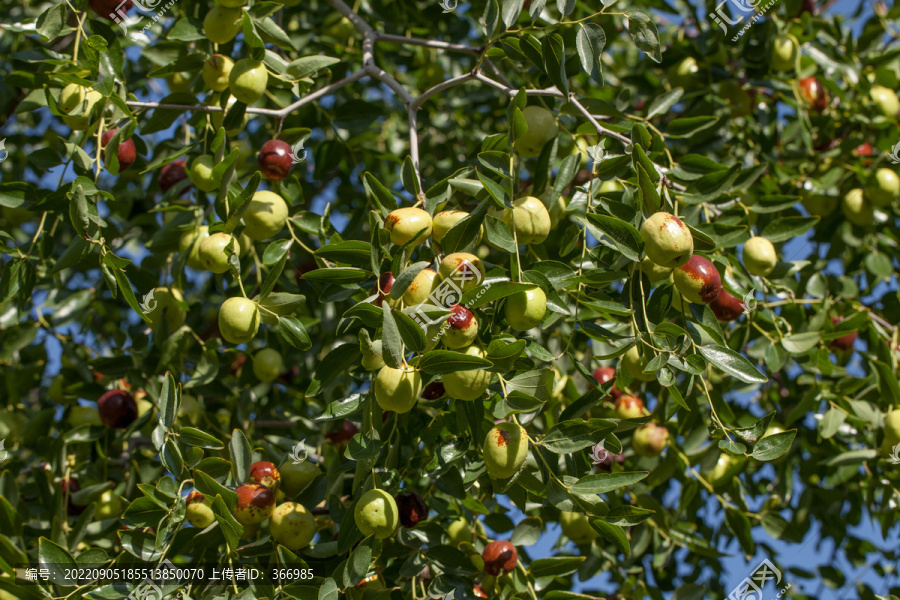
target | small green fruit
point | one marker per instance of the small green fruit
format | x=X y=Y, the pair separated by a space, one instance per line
x=82 y=122
x=166 y=309
x=465 y=270
x=505 y=449
x=216 y=71
x=725 y=469
x=397 y=389
x=376 y=514
x=542 y=127
x=684 y=74
x=468 y=385
x=667 y=241
x=71 y=97
x=222 y=24
x=268 y=364
x=653 y=271
x=238 y=320
x=109 y=506
x=198 y=511
x=444 y=221
x=576 y=527
x=857 y=209
x=784 y=53
x=760 y=257
x=420 y=288
x=650 y=439
x=885 y=100
x=247 y=80
x=201 y=173
x=213 y=253
x=292 y=526
x=525 y=310
x=266 y=216
x=405 y=223
x=296 y=476
x=633 y=364
x=891 y=430
x=529 y=220
x=190 y=244
x=820 y=204
x=459 y=531
x=886 y=188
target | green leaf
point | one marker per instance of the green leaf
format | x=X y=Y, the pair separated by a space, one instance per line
x=381 y=194
x=410 y=332
x=643 y=32
x=788 y=228
x=773 y=446
x=571 y=436
x=601 y=483
x=554 y=53
x=352 y=252
x=294 y=333
x=627 y=515
x=200 y=439
x=624 y=236
x=231 y=529
x=556 y=566
x=662 y=104
x=614 y=534
x=392 y=347
x=168 y=401
x=590 y=41
x=56 y=560
x=732 y=363
x=338 y=275
x=241 y=456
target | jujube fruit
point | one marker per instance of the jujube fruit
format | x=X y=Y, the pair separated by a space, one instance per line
x=126 y=153
x=255 y=504
x=397 y=390
x=411 y=508
x=292 y=526
x=576 y=527
x=265 y=473
x=526 y=309
x=213 y=254
x=247 y=80
x=238 y=320
x=650 y=439
x=275 y=160
x=471 y=384
x=266 y=215
x=528 y=219
x=465 y=270
x=117 y=409
x=698 y=281
x=376 y=514
x=505 y=449
x=216 y=71
x=759 y=256
x=198 y=510
x=499 y=557
x=542 y=127
x=404 y=223
x=667 y=241
x=222 y=24
x=462 y=328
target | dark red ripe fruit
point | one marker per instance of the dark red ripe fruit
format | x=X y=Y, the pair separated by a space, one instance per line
x=434 y=390
x=704 y=278
x=460 y=317
x=344 y=434
x=109 y=9
x=171 y=174
x=807 y=6
x=383 y=287
x=844 y=343
x=604 y=374
x=117 y=409
x=275 y=160
x=813 y=93
x=864 y=149
x=71 y=486
x=265 y=473
x=499 y=556
x=727 y=307
x=126 y=154
x=412 y=508
x=255 y=503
